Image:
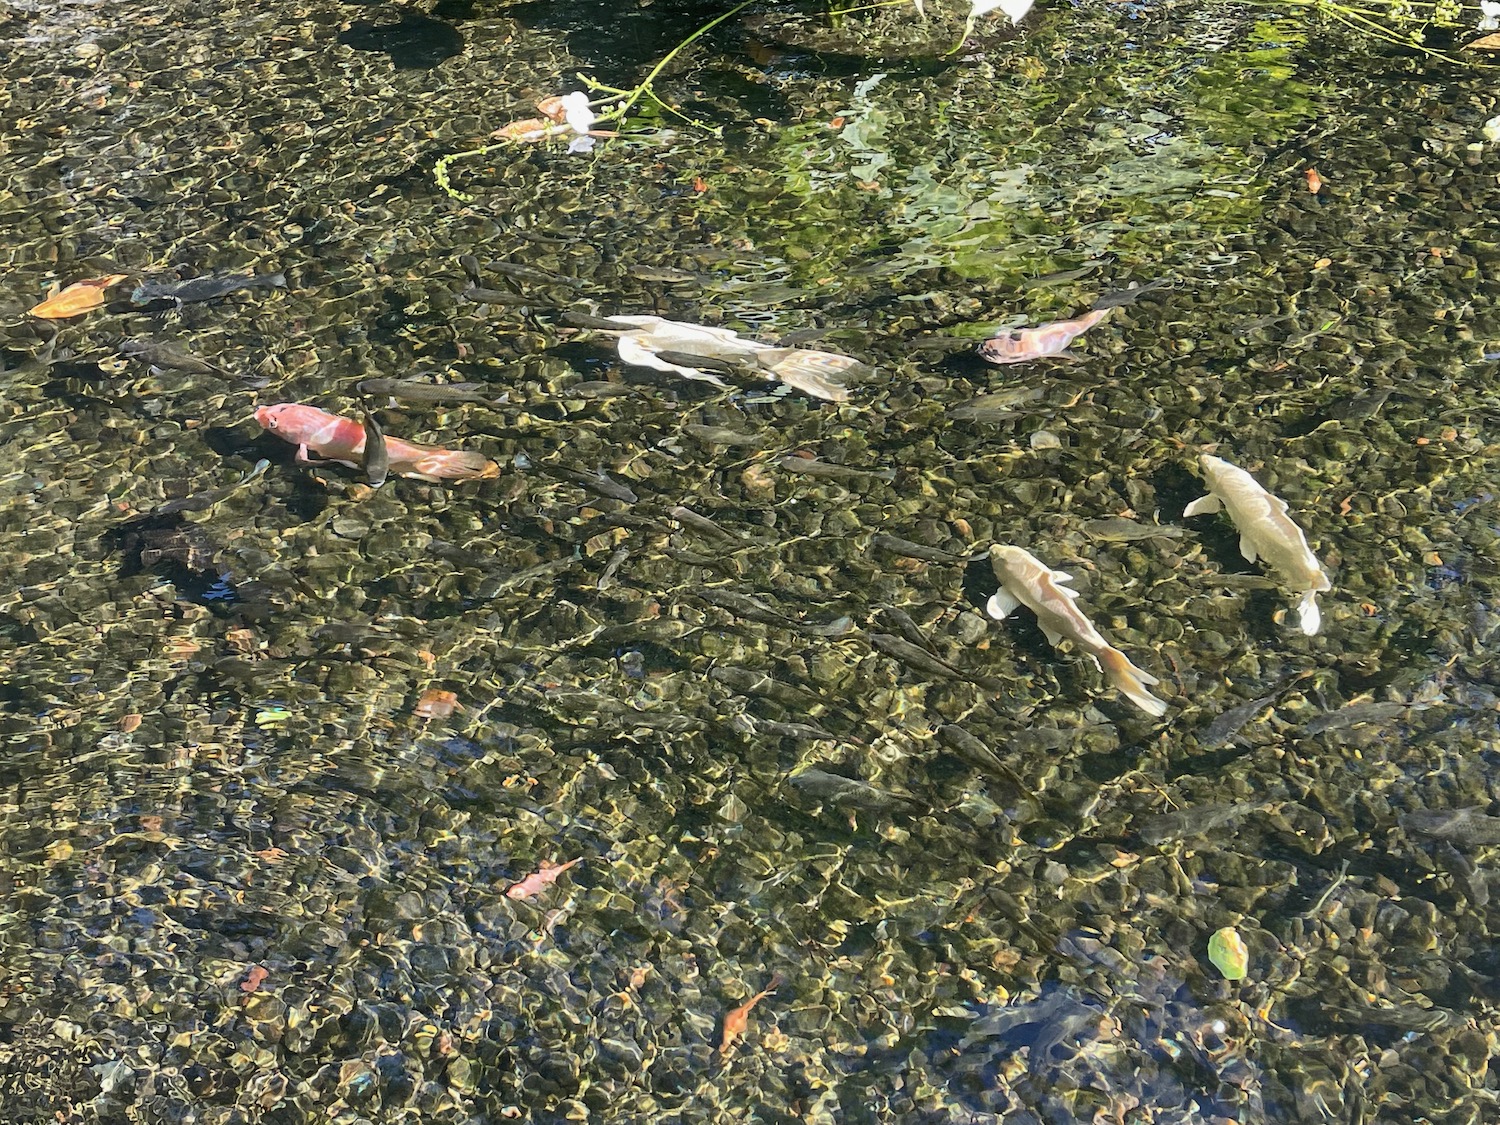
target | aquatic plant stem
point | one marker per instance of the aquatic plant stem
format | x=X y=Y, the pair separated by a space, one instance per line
x=624 y=99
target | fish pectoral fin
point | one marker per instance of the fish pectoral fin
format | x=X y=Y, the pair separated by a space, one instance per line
x=1001 y=604
x=1053 y=639
x=1247 y=548
x=1204 y=505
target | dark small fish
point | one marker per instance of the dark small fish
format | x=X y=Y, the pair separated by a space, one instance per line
x=899 y=546
x=748 y=682
x=482 y=296
x=377 y=460
x=530 y=273
x=848 y=792
x=470 y=265
x=159 y=354
x=1353 y=715
x=1467 y=827
x=1356 y=408
x=428 y=392
x=1001 y=406
x=202 y=501
x=699 y=362
x=828 y=470
x=1402 y=1017
x=204 y=288
x=612 y=567
x=1228 y=723
x=689 y=518
x=1121 y=530
x=596 y=388
x=577 y=318
x=1129 y=295
x=803 y=732
x=895 y=618
x=668 y=274
x=743 y=605
x=1185 y=823
x=720 y=435
x=1062 y=275
x=598 y=481
x=923 y=661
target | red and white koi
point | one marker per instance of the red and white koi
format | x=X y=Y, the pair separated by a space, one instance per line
x=1026 y=580
x=540 y=879
x=1026 y=344
x=330 y=437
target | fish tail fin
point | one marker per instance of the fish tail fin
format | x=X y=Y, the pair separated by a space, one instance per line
x=276 y=281
x=452 y=464
x=1311 y=618
x=1132 y=682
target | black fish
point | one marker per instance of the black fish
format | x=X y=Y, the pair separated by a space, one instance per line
x=1186 y=823
x=377 y=459
x=899 y=546
x=1468 y=827
x=598 y=481
x=159 y=354
x=204 y=288
x=427 y=392
x=922 y=661
x=482 y=296
x=532 y=274
x=203 y=501
x=847 y=792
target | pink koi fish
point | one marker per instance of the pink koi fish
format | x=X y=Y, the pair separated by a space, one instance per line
x=333 y=438
x=540 y=879
x=1027 y=344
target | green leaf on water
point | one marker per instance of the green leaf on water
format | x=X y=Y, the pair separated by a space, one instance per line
x=1227 y=950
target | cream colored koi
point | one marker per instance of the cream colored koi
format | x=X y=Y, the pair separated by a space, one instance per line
x=1026 y=580
x=1267 y=533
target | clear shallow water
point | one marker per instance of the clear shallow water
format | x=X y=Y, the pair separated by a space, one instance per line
x=214 y=765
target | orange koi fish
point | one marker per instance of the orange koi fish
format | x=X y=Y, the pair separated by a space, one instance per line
x=540 y=879
x=1027 y=344
x=737 y=1020
x=76 y=299
x=333 y=438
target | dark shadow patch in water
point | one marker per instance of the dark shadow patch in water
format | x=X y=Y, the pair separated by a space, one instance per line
x=414 y=43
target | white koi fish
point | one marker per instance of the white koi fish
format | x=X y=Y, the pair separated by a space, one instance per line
x=1266 y=533
x=1026 y=580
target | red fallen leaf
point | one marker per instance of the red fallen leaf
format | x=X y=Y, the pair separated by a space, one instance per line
x=436 y=704
x=254 y=979
x=1314 y=181
x=700 y=184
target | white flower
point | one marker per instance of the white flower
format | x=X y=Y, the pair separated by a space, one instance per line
x=577 y=113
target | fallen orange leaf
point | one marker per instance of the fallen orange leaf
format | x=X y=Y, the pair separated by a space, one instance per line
x=254 y=978
x=1314 y=181
x=436 y=704
x=78 y=298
